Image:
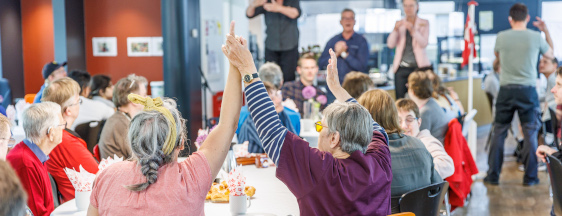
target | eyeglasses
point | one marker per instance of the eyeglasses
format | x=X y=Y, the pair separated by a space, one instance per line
x=319 y=126
x=79 y=102
x=409 y=120
x=63 y=125
x=10 y=139
x=347 y=19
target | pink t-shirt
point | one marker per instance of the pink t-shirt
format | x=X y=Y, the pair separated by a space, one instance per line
x=180 y=189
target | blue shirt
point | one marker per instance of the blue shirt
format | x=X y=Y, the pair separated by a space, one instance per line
x=357 y=55
x=36 y=150
x=39 y=95
x=295 y=118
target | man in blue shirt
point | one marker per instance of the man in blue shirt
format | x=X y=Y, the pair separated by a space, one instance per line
x=51 y=71
x=351 y=48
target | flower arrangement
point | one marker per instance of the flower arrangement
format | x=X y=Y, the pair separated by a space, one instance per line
x=312 y=110
x=202 y=136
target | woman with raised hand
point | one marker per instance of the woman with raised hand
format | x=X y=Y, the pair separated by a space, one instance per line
x=153 y=182
x=349 y=173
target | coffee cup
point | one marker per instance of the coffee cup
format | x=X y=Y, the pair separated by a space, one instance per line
x=82 y=200
x=239 y=204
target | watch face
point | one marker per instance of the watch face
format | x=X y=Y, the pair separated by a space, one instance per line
x=247 y=78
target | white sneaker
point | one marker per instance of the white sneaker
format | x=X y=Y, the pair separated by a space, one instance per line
x=542 y=167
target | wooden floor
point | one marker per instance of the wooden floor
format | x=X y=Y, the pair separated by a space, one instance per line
x=510 y=197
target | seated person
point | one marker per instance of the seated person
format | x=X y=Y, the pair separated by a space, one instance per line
x=113 y=138
x=102 y=90
x=547 y=70
x=90 y=110
x=72 y=152
x=154 y=182
x=434 y=117
x=357 y=83
x=43 y=125
x=307 y=69
x=5 y=136
x=271 y=72
x=348 y=174
x=248 y=130
x=12 y=193
x=51 y=71
x=447 y=98
x=410 y=122
x=412 y=164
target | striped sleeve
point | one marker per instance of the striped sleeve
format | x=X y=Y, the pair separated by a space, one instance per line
x=376 y=126
x=270 y=130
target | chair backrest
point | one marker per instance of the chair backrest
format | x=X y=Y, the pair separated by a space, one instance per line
x=29 y=98
x=555 y=126
x=467 y=119
x=403 y=214
x=89 y=133
x=555 y=171
x=97 y=152
x=55 y=191
x=424 y=201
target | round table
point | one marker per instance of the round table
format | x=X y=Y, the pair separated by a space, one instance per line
x=272 y=197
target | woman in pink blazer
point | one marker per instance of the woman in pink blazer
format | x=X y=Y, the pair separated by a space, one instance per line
x=409 y=37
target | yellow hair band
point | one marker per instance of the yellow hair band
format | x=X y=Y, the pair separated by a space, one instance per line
x=156 y=104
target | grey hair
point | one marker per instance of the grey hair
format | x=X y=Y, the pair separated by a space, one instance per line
x=353 y=122
x=271 y=72
x=147 y=134
x=38 y=118
x=12 y=194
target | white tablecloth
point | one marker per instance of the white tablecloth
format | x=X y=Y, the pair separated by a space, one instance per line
x=272 y=197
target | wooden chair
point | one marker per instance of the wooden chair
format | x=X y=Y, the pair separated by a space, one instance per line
x=403 y=214
x=89 y=132
x=29 y=98
x=554 y=167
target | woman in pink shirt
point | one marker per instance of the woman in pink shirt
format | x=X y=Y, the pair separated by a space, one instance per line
x=153 y=182
x=409 y=37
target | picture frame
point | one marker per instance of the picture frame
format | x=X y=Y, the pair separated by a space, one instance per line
x=157 y=48
x=104 y=46
x=139 y=46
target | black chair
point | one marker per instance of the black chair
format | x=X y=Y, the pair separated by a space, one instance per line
x=89 y=132
x=56 y=192
x=555 y=171
x=555 y=126
x=423 y=201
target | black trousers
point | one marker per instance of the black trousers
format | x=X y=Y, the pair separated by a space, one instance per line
x=400 y=81
x=287 y=60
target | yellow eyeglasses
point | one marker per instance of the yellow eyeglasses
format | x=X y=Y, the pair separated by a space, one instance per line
x=319 y=126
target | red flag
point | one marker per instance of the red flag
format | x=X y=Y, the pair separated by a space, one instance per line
x=468 y=41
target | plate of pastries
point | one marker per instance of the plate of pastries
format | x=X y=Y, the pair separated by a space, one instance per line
x=220 y=192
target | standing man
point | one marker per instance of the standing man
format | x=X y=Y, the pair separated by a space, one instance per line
x=517 y=50
x=52 y=71
x=282 y=41
x=351 y=48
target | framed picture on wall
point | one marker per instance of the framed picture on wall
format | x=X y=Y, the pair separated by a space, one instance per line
x=138 y=46
x=104 y=46
x=157 y=48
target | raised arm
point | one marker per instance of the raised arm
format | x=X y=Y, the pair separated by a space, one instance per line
x=218 y=142
x=333 y=81
x=271 y=131
x=255 y=8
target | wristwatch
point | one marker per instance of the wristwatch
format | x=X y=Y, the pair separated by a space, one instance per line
x=249 y=77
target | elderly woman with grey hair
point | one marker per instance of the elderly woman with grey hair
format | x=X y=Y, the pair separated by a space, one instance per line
x=349 y=173
x=153 y=182
x=43 y=125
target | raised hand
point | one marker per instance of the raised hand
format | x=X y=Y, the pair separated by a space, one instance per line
x=236 y=50
x=332 y=78
x=540 y=24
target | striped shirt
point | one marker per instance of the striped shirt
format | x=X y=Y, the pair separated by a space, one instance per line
x=271 y=131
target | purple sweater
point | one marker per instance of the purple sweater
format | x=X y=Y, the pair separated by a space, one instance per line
x=323 y=185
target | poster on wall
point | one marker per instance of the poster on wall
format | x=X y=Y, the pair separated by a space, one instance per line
x=157 y=48
x=104 y=46
x=138 y=46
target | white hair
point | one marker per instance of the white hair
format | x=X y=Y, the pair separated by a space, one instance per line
x=271 y=72
x=38 y=118
x=353 y=122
